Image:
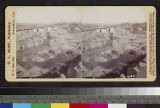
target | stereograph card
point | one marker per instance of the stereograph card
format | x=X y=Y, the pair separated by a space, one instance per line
x=80 y=43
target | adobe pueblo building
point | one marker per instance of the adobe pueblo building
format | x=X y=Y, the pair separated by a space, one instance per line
x=73 y=50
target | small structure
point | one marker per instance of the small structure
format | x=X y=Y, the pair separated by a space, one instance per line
x=35 y=30
x=48 y=29
x=101 y=30
x=41 y=30
x=110 y=29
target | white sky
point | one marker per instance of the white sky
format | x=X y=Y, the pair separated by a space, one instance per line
x=92 y=15
x=114 y=15
x=47 y=15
